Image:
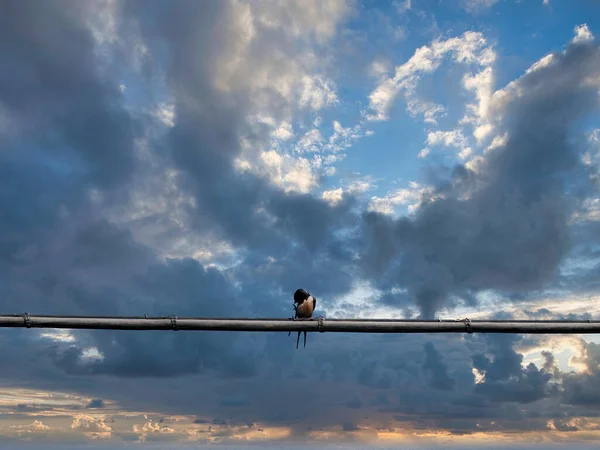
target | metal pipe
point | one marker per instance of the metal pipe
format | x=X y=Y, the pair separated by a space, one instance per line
x=316 y=325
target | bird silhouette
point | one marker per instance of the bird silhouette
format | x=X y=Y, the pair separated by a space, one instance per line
x=304 y=306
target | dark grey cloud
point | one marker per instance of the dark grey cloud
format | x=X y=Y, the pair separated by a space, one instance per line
x=96 y=403
x=436 y=367
x=68 y=129
x=66 y=112
x=583 y=389
x=505 y=379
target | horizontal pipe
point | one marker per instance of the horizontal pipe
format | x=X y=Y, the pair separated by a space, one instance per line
x=315 y=325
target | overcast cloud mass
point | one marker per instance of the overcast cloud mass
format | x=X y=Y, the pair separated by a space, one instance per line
x=207 y=158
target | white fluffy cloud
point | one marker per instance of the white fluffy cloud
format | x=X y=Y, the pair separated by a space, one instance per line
x=35 y=426
x=333 y=196
x=471 y=49
x=291 y=174
x=411 y=196
x=583 y=33
x=481 y=84
x=453 y=138
x=255 y=63
x=311 y=141
x=91 y=426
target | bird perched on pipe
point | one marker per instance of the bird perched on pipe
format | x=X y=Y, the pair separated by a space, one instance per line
x=304 y=306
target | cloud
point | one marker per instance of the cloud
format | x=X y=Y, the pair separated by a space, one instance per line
x=83 y=127
x=583 y=34
x=466 y=241
x=93 y=427
x=308 y=18
x=477 y=115
x=504 y=378
x=402 y=6
x=259 y=57
x=470 y=49
x=34 y=426
x=477 y=6
x=333 y=196
x=293 y=175
x=310 y=140
x=448 y=139
x=95 y=403
x=150 y=428
x=436 y=367
x=411 y=196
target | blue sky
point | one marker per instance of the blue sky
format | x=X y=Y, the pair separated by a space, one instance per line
x=396 y=159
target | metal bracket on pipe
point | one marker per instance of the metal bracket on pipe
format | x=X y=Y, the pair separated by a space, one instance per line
x=320 y=324
x=26 y=319
x=467 y=323
x=173 y=322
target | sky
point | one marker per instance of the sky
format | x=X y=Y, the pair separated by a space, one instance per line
x=403 y=159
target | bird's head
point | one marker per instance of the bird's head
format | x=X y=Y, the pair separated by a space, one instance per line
x=300 y=296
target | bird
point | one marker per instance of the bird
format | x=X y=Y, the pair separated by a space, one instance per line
x=304 y=306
